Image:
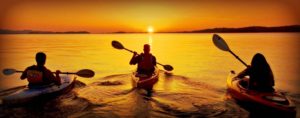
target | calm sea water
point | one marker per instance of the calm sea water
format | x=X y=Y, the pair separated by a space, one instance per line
x=197 y=87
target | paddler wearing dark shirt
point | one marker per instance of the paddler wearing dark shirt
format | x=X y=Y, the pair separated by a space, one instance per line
x=146 y=61
x=39 y=75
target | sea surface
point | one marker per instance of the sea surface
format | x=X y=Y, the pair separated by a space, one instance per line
x=196 y=88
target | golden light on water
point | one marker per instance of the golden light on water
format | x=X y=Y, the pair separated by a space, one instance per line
x=150 y=30
x=150 y=40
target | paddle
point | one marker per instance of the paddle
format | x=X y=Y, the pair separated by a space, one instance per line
x=119 y=46
x=221 y=44
x=82 y=73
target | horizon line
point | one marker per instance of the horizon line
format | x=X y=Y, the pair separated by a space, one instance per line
x=206 y=30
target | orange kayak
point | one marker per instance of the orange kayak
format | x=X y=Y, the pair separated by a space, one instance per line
x=144 y=81
x=271 y=101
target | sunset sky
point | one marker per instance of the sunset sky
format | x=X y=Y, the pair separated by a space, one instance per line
x=98 y=16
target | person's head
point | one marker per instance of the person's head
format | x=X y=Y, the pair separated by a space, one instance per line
x=40 y=58
x=146 y=48
x=259 y=61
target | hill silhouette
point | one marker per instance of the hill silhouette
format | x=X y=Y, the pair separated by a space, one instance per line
x=7 y=31
x=291 y=28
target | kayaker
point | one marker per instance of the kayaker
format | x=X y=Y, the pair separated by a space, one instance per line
x=146 y=61
x=38 y=75
x=261 y=75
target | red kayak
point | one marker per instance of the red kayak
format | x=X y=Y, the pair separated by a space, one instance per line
x=272 y=101
x=144 y=81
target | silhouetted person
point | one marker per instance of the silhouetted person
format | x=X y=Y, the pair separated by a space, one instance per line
x=261 y=75
x=146 y=61
x=38 y=75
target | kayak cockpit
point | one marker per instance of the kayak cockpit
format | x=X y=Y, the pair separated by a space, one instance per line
x=144 y=81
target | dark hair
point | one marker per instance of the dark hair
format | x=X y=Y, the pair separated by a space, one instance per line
x=260 y=64
x=40 y=58
x=261 y=71
x=259 y=60
x=146 y=46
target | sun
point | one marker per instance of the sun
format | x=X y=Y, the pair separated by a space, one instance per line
x=150 y=29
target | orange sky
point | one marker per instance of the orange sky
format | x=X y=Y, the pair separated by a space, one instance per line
x=135 y=16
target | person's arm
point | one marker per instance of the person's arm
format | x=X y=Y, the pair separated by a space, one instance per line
x=24 y=74
x=134 y=60
x=55 y=79
x=244 y=73
x=154 y=61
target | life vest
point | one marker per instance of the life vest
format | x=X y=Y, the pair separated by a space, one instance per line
x=34 y=76
x=146 y=63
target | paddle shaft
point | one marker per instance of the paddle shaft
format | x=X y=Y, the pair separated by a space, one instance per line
x=17 y=71
x=238 y=58
x=221 y=44
x=160 y=64
x=129 y=50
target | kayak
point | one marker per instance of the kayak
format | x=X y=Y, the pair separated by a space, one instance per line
x=26 y=95
x=275 y=102
x=143 y=81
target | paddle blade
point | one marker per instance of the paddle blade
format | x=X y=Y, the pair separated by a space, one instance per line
x=168 y=67
x=220 y=43
x=86 y=73
x=117 y=45
x=9 y=71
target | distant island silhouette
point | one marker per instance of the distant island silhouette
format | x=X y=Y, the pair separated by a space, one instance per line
x=7 y=31
x=290 y=28
x=250 y=29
